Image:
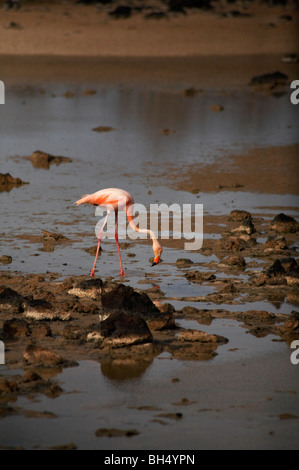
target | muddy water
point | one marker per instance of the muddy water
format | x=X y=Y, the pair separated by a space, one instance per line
x=135 y=155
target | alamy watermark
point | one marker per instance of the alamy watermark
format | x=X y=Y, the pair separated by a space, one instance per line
x=295 y=354
x=295 y=94
x=173 y=221
x=2 y=353
x=2 y=92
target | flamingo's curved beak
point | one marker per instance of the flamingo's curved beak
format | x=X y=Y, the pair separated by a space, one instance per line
x=156 y=260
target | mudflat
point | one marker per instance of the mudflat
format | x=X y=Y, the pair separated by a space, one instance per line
x=196 y=353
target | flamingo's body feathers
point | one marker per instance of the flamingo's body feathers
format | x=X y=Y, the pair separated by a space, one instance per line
x=112 y=198
x=117 y=199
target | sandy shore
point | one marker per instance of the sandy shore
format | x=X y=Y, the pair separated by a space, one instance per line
x=278 y=173
x=78 y=30
x=72 y=42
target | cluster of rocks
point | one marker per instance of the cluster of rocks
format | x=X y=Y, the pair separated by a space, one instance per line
x=243 y=233
x=158 y=9
x=28 y=384
x=50 y=325
x=39 y=159
x=247 y=245
x=150 y=9
x=241 y=240
x=284 y=271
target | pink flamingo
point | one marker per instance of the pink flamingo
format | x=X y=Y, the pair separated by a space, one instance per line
x=117 y=199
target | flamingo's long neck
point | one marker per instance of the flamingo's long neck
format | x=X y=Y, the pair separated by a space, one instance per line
x=137 y=229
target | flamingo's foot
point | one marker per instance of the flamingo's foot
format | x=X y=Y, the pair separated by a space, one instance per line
x=92 y=273
x=123 y=274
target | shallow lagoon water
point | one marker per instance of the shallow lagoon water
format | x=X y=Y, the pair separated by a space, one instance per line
x=134 y=156
x=96 y=397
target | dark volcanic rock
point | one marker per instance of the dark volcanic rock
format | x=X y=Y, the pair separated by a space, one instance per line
x=30 y=384
x=71 y=332
x=7 y=181
x=292 y=323
x=121 y=11
x=195 y=345
x=10 y=300
x=290 y=328
x=114 y=432
x=201 y=315
x=40 y=329
x=91 y=288
x=197 y=276
x=191 y=91
x=234 y=261
x=292 y=276
x=270 y=79
x=16 y=328
x=5 y=259
x=38 y=355
x=53 y=237
x=232 y=244
x=125 y=298
x=114 y=297
x=155 y=15
x=178 y=5
x=183 y=262
x=103 y=129
x=122 y=329
x=239 y=215
x=163 y=320
x=284 y=271
x=276 y=269
x=43 y=357
x=43 y=160
x=284 y=223
x=88 y=2
x=200 y=337
x=40 y=309
x=257 y=317
x=246 y=226
x=289 y=264
x=275 y=243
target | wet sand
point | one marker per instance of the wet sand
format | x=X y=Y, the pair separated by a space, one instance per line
x=70 y=42
x=278 y=173
x=228 y=381
x=76 y=30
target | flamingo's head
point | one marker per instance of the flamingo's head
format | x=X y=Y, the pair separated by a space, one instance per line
x=157 y=252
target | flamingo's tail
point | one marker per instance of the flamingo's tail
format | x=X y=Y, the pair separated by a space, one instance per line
x=84 y=200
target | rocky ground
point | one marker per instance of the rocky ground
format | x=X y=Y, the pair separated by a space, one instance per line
x=47 y=324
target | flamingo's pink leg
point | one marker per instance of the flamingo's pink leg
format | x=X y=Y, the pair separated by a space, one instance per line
x=117 y=244
x=99 y=243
